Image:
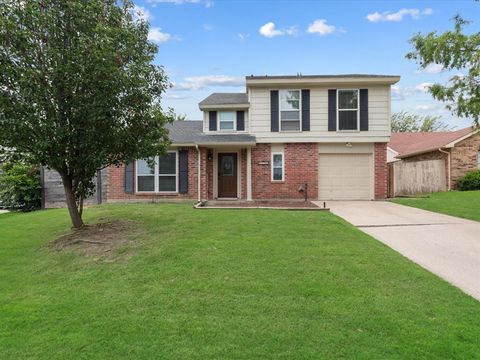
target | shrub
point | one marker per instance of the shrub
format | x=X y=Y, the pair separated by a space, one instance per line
x=20 y=187
x=471 y=181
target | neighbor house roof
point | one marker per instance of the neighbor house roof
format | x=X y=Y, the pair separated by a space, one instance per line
x=413 y=143
x=191 y=133
x=224 y=99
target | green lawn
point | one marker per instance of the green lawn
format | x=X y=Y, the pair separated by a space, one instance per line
x=464 y=204
x=224 y=284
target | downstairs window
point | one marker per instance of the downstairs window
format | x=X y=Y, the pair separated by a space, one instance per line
x=158 y=174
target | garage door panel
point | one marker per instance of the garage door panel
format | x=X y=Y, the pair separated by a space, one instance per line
x=345 y=176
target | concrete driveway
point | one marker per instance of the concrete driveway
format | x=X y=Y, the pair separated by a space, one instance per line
x=447 y=246
x=3 y=211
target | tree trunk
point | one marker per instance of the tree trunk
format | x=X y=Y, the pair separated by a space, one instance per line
x=71 y=203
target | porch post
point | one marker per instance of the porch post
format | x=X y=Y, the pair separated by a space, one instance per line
x=249 y=174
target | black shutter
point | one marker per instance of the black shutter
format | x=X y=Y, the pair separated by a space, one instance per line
x=363 y=109
x=274 y=110
x=305 y=110
x=212 y=120
x=128 y=181
x=240 y=120
x=332 y=110
x=183 y=171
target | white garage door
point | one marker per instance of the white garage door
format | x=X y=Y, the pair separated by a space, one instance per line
x=345 y=177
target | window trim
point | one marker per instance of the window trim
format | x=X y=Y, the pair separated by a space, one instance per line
x=274 y=167
x=478 y=159
x=157 y=175
x=357 y=110
x=234 y=121
x=280 y=110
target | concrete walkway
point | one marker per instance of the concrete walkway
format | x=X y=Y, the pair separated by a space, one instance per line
x=447 y=246
x=3 y=211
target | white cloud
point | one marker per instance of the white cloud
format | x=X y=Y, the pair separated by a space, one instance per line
x=320 y=27
x=141 y=13
x=426 y=107
x=292 y=31
x=207 y=3
x=156 y=35
x=402 y=92
x=243 y=37
x=432 y=69
x=200 y=82
x=207 y=27
x=399 y=15
x=175 y=96
x=423 y=86
x=269 y=30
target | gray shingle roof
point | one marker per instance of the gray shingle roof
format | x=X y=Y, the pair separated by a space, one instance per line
x=191 y=132
x=225 y=99
x=359 y=76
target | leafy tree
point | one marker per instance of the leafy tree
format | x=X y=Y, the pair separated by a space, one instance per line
x=78 y=89
x=406 y=122
x=20 y=187
x=454 y=50
x=178 y=117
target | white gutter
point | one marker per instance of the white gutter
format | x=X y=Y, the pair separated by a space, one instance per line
x=448 y=168
x=199 y=174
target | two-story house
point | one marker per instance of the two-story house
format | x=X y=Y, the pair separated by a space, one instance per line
x=329 y=132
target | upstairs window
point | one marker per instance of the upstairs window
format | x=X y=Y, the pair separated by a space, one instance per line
x=226 y=120
x=289 y=110
x=478 y=159
x=348 y=114
x=158 y=174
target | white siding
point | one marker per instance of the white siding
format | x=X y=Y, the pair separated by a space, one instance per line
x=378 y=112
x=206 y=120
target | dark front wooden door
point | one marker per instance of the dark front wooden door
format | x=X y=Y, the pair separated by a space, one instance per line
x=227 y=175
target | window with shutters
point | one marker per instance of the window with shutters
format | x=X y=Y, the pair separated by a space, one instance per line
x=278 y=172
x=348 y=110
x=226 y=120
x=159 y=174
x=290 y=105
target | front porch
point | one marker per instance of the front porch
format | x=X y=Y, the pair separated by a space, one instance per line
x=226 y=173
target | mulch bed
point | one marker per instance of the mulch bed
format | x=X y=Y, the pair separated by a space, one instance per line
x=101 y=240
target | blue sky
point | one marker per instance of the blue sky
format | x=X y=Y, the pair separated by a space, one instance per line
x=211 y=45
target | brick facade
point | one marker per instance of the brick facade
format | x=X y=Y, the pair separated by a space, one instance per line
x=115 y=188
x=301 y=166
x=464 y=157
x=381 y=171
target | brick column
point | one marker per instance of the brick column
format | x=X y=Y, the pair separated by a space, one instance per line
x=380 y=171
x=203 y=174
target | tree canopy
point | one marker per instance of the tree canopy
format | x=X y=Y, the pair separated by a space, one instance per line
x=406 y=122
x=454 y=50
x=78 y=88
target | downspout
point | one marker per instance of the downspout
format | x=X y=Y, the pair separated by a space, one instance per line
x=199 y=174
x=449 y=186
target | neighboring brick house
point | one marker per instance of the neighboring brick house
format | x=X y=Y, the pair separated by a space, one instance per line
x=328 y=133
x=459 y=150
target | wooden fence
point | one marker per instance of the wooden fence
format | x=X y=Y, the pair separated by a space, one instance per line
x=416 y=177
